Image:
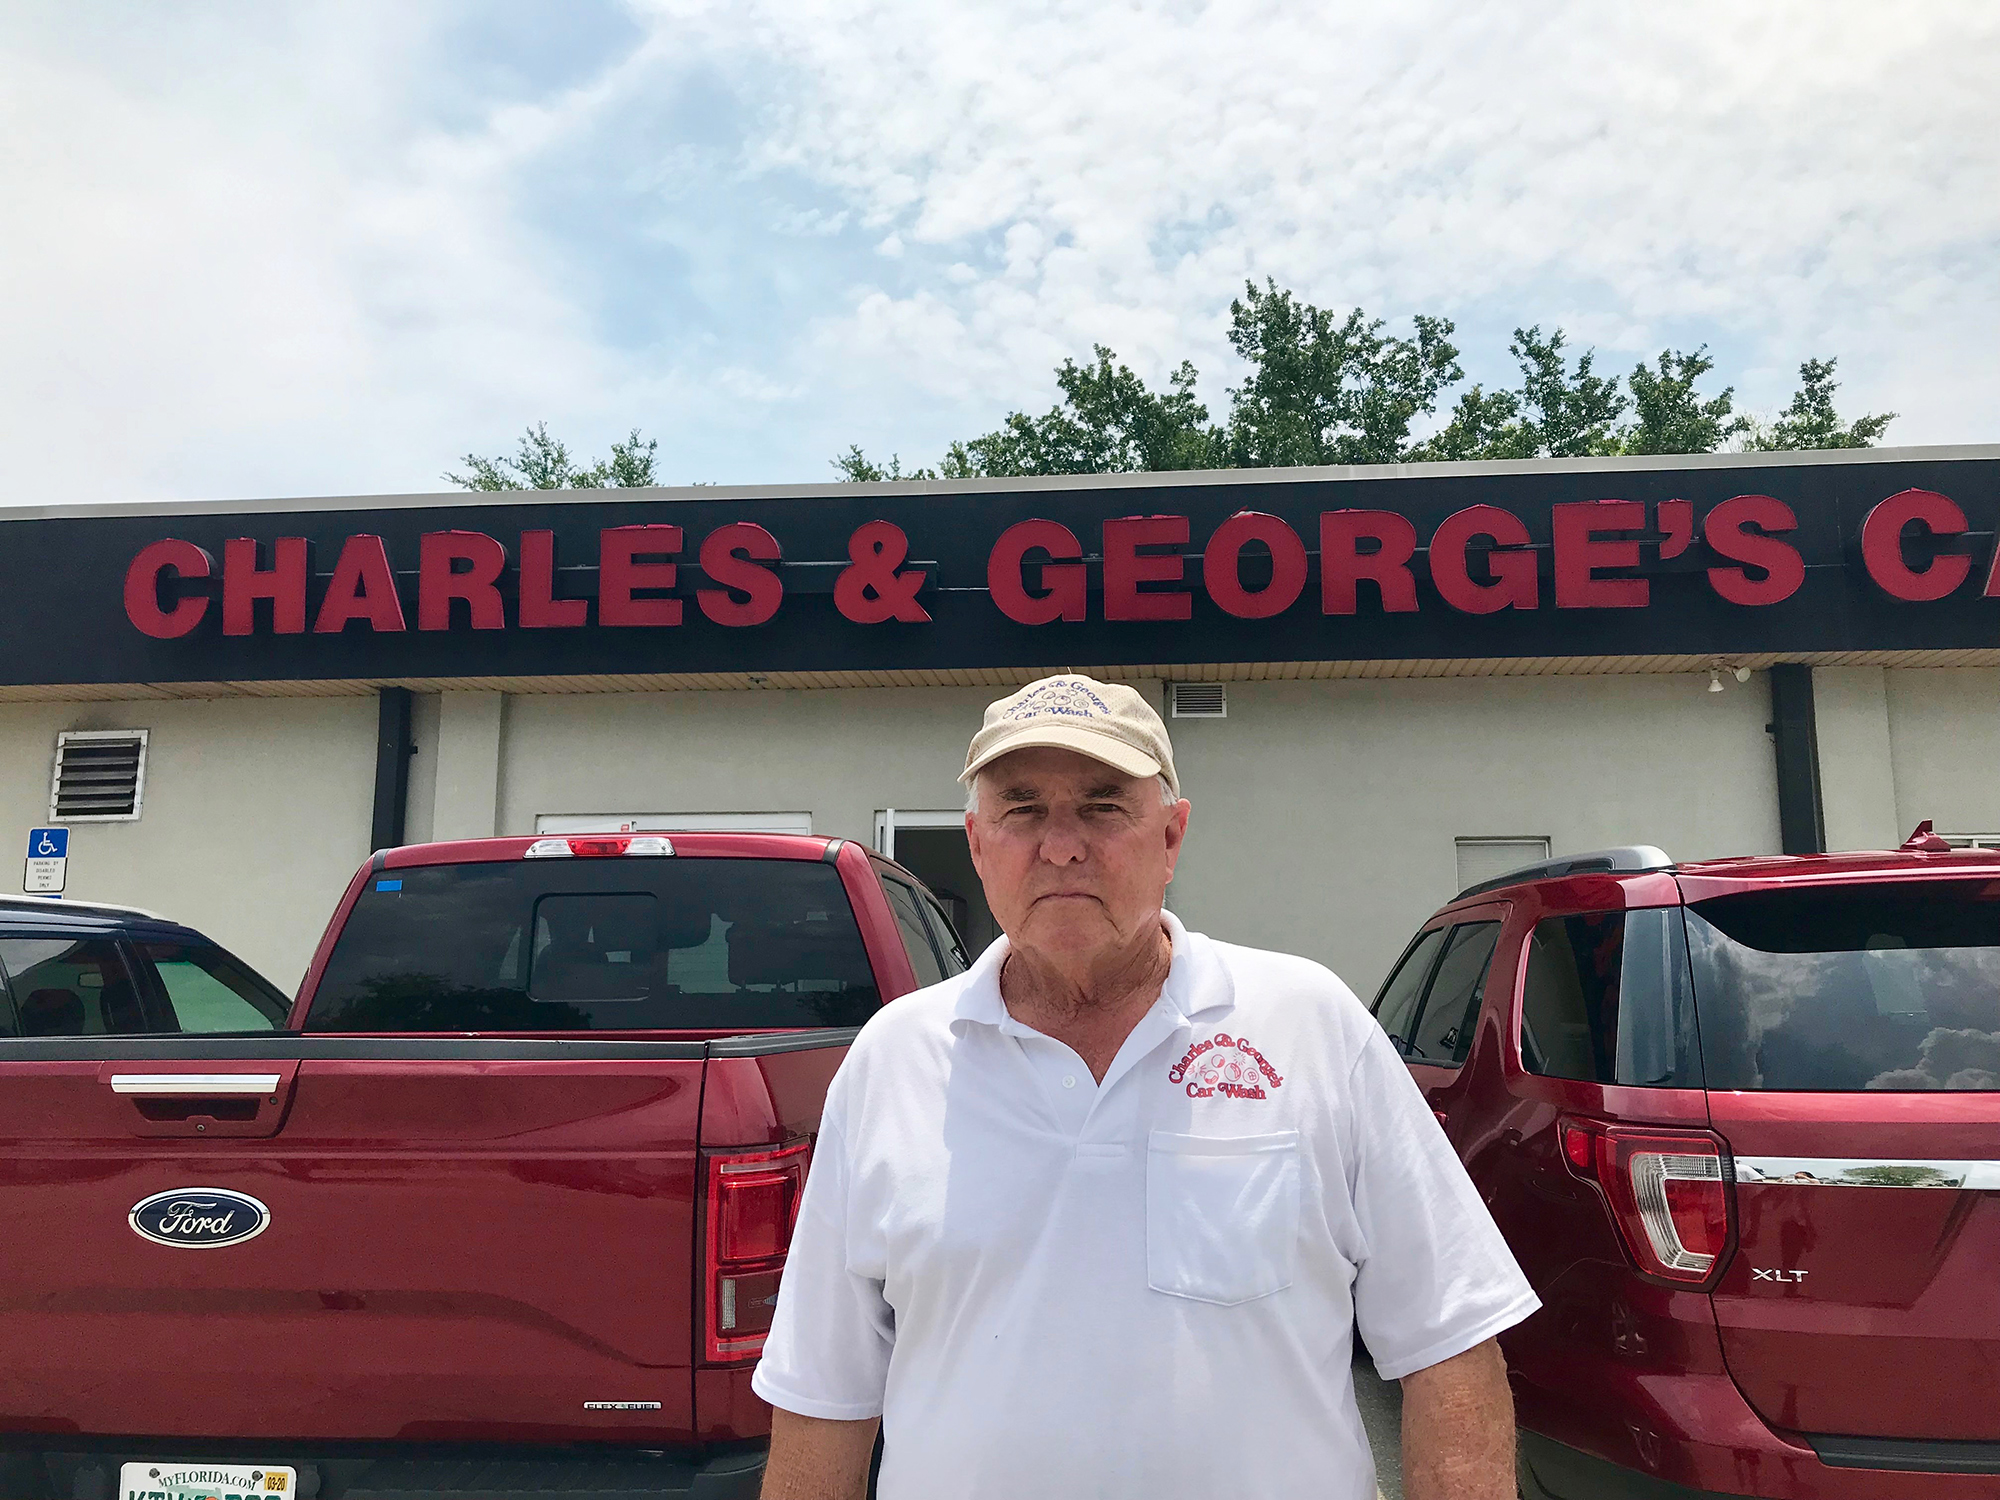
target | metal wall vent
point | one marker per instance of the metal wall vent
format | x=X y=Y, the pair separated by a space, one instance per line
x=1199 y=700
x=100 y=776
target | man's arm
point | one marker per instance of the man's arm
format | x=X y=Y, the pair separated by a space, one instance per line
x=815 y=1459
x=1458 y=1429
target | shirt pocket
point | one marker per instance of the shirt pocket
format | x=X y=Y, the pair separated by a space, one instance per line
x=1222 y=1215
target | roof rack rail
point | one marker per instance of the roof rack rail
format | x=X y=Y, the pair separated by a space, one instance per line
x=57 y=904
x=1626 y=861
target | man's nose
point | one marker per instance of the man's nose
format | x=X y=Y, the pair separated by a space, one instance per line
x=1063 y=842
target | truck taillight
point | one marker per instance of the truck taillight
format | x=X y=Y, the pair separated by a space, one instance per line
x=751 y=1201
x=1668 y=1190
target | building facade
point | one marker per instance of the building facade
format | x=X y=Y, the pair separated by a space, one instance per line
x=1382 y=683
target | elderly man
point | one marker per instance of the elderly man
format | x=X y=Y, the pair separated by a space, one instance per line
x=1098 y=1217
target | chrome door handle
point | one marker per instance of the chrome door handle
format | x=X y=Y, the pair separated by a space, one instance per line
x=194 y=1085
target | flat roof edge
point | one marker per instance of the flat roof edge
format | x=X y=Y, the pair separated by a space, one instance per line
x=1955 y=658
x=1195 y=478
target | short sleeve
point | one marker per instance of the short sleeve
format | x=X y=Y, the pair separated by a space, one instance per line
x=828 y=1351
x=1435 y=1277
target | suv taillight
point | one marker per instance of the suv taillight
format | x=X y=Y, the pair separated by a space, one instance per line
x=1668 y=1190
x=750 y=1202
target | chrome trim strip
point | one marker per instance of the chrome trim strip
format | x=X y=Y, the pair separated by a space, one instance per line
x=1867 y=1172
x=189 y=1085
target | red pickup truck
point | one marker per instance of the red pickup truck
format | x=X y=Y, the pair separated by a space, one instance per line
x=502 y=1211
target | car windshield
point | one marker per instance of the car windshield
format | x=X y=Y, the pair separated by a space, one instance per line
x=1890 y=986
x=598 y=944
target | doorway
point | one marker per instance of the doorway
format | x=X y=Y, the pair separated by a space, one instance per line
x=931 y=846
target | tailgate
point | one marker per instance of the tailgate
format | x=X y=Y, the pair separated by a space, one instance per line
x=1851 y=1041
x=1864 y=1297
x=448 y=1238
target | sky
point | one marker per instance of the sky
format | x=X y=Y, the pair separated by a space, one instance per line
x=251 y=250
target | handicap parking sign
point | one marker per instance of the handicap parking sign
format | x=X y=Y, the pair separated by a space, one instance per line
x=48 y=862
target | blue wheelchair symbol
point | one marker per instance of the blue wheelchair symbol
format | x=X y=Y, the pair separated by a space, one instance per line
x=48 y=843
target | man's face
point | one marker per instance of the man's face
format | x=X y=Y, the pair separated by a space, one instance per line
x=1074 y=856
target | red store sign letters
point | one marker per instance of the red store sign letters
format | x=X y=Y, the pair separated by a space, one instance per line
x=1480 y=560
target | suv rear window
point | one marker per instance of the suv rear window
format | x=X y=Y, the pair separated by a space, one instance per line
x=598 y=944
x=1845 y=988
x=1606 y=1000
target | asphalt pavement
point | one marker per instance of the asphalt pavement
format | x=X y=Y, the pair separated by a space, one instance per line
x=1381 y=1403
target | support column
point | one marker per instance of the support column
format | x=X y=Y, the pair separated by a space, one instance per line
x=468 y=766
x=392 y=768
x=1801 y=820
x=1857 y=776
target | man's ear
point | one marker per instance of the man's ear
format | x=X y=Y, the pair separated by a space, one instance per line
x=1177 y=824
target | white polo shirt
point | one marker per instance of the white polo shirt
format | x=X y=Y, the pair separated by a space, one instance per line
x=1047 y=1286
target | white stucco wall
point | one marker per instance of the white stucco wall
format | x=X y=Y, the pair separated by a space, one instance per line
x=1944 y=742
x=256 y=813
x=1856 y=770
x=840 y=755
x=1325 y=813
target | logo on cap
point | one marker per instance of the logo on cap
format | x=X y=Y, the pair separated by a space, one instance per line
x=1061 y=696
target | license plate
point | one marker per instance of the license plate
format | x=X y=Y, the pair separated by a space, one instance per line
x=197 y=1481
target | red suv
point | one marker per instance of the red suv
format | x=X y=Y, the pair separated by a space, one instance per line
x=1740 y=1122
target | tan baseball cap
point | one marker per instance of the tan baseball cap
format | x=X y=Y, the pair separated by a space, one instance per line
x=1105 y=720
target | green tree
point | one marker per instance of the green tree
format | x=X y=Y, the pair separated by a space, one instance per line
x=1329 y=390
x=1672 y=418
x=1481 y=426
x=1565 y=413
x=543 y=463
x=856 y=467
x=1811 y=421
x=1109 y=421
x=1558 y=411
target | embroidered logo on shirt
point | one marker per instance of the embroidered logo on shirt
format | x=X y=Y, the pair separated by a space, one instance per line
x=1227 y=1066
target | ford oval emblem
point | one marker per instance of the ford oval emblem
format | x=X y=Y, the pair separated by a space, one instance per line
x=199 y=1218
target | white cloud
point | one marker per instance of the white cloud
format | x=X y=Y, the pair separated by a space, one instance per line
x=324 y=249
x=1802 y=178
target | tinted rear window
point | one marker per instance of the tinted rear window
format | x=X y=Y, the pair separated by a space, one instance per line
x=598 y=944
x=1606 y=1000
x=1892 y=986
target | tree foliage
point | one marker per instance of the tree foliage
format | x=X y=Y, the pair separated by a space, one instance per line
x=1320 y=387
x=1108 y=422
x=1328 y=388
x=1672 y=417
x=543 y=463
x=1324 y=389
x=1811 y=422
x=856 y=467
